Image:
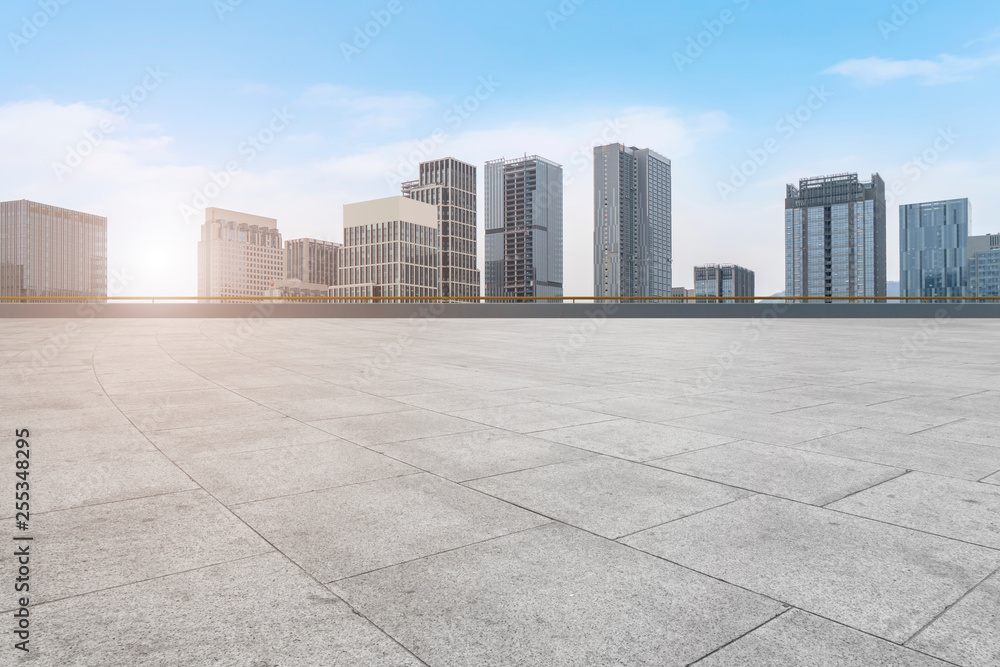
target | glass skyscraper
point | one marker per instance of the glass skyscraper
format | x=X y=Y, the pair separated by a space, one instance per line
x=632 y=222
x=835 y=237
x=46 y=251
x=723 y=280
x=984 y=266
x=933 y=249
x=524 y=228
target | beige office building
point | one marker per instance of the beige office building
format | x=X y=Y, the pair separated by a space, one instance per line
x=312 y=261
x=46 y=251
x=239 y=255
x=390 y=249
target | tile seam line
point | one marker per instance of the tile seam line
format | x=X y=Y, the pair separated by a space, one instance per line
x=903 y=473
x=954 y=604
x=137 y=582
x=548 y=522
x=749 y=632
x=326 y=489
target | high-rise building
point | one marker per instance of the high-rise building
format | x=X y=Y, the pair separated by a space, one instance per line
x=933 y=249
x=835 y=238
x=46 y=251
x=524 y=228
x=682 y=293
x=632 y=222
x=312 y=261
x=984 y=265
x=723 y=280
x=239 y=255
x=450 y=185
x=390 y=249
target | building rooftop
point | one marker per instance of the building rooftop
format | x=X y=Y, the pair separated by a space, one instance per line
x=526 y=492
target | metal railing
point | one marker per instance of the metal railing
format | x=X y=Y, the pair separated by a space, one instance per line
x=702 y=300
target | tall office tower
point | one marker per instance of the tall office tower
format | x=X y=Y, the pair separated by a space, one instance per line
x=984 y=265
x=723 y=280
x=451 y=186
x=390 y=249
x=239 y=254
x=47 y=251
x=312 y=261
x=835 y=243
x=632 y=222
x=524 y=228
x=933 y=249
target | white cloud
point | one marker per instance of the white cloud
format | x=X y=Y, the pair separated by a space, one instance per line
x=136 y=179
x=944 y=69
x=992 y=37
x=363 y=112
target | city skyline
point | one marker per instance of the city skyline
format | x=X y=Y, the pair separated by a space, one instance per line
x=307 y=130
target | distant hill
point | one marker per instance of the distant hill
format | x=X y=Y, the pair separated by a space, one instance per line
x=892 y=289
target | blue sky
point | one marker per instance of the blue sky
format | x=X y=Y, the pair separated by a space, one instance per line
x=886 y=81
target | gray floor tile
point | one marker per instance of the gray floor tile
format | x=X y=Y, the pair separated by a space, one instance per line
x=566 y=394
x=606 y=496
x=466 y=456
x=881 y=579
x=379 y=430
x=530 y=417
x=168 y=416
x=885 y=419
x=649 y=408
x=554 y=597
x=62 y=421
x=241 y=477
x=353 y=404
x=633 y=440
x=253 y=435
x=913 y=452
x=93 y=548
x=768 y=429
x=93 y=479
x=975 y=431
x=451 y=402
x=252 y=612
x=955 y=508
x=781 y=471
x=967 y=633
x=349 y=530
x=798 y=638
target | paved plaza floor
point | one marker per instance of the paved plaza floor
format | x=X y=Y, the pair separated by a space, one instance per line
x=505 y=493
